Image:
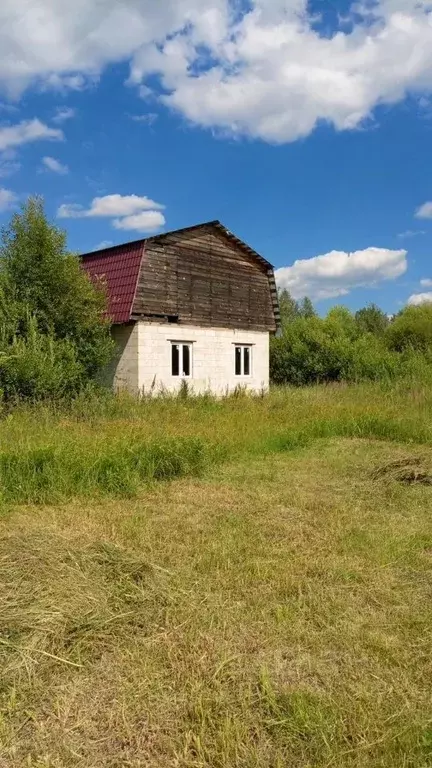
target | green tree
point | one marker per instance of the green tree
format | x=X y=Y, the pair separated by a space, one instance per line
x=289 y=308
x=306 y=308
x=340 y=322
x=41 y=279
x=371 y=319
x=54 y=334
x=411 y=330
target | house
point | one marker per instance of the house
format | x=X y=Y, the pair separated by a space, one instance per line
x=195 y=305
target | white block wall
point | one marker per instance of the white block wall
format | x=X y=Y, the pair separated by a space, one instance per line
x=122 y=373
x=213 y=358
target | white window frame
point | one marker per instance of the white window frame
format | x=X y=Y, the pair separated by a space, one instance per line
x=243 y=347
x=182 y=345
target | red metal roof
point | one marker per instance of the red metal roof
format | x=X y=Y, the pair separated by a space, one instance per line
x=118 y=268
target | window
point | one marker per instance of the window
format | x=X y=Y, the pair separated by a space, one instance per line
x=243 y=360
x=181 y=359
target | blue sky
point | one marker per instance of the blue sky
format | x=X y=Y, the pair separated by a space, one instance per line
x=306 y=129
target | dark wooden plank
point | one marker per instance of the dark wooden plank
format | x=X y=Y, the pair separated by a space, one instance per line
x=207 y=281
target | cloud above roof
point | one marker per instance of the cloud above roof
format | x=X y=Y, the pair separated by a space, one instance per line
x=129 y=212
x=338 y=272
x=268 y=69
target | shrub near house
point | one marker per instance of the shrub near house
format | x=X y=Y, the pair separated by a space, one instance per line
x=347 y=347
x=54 y=336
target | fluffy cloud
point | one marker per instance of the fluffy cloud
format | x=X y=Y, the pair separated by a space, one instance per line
x=337 y=273
x=266 y=68
x=7 y=199
x=129 y=212
x=426 y=282
x=419 y=298
x=425 y=211
x=25 y=132
x=63 y=113
x=109 y=206
x=54 y=165
x=146 y=221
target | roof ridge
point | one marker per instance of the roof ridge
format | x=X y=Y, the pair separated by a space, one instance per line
x=214 y=222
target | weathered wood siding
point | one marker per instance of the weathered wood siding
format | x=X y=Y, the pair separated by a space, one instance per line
x=204 y=279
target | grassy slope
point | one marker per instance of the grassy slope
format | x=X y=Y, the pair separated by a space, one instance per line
x=109 y=448
x=271 y=613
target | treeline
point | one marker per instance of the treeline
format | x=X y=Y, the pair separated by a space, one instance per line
x=346 y=346
x=54 y=336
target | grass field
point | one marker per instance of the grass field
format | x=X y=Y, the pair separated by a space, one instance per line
x=234 y=584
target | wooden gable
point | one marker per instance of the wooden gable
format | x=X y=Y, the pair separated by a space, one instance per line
x=205 y=276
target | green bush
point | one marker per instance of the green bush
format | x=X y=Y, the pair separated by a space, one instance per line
x=37 y=365
x=411 y=330
x=313 y=350
x=54 y=335
x=344 y=347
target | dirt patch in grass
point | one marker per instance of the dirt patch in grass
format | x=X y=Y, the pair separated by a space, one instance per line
x=409 y=470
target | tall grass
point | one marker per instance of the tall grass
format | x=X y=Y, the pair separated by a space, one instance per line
x=59 y=472
x=110 y=446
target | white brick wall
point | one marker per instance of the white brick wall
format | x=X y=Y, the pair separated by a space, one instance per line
x=143 y=358
x=122 y=373
x=213 y=364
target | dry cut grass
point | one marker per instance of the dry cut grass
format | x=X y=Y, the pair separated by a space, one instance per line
x=272 y=614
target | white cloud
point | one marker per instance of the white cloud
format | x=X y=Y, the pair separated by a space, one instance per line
x=64 y=113
x=109 y=206
x=7 y=107
x=425 y=211
x=63 y=83
x=426 y=282
x=54 y=165
x=25 y=132
x=102 y=245
x=337 y=273
x=411 y=233
x=7 y=199
x=8 y=164
x=262 y=68
x=419 y=298
x=129 y=212
x=146 y=221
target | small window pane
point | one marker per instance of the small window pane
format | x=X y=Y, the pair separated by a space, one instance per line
x=238 y=361
x=186 y=360
x=247 y=361
x=175 y=359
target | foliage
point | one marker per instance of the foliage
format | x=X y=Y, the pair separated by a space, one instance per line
x=347 y=347
x=307 y=308
x=412 y=329
x=372 y=319
x=289 y=309
x=36 y=365
x=53 y=332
